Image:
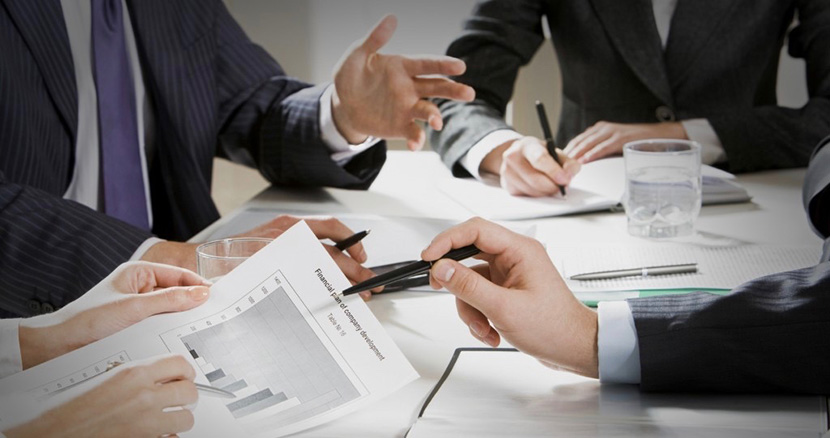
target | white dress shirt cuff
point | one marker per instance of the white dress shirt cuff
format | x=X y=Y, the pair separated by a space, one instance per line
x=711 y=148
x=341 y=150
x=618 y=347
x=10 y=360
x=473 y=158
x=144 y=247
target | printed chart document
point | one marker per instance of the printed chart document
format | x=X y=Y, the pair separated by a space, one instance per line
x=598 y=186
x=275 y=332
x=504 y=393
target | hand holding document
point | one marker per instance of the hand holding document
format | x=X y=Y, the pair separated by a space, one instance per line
x=276 y=333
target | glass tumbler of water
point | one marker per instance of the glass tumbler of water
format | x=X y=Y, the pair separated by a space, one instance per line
x=662 y=187
x=217 y=258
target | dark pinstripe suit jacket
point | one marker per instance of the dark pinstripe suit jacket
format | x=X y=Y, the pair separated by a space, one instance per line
x=720 y=63
x=769 y=335
x=214 y=93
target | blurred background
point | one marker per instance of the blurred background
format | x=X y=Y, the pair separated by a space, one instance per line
x=308 y=37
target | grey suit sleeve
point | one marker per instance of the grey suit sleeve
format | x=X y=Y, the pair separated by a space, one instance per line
x=502 y=36
x=271 y=121
x=773 y=136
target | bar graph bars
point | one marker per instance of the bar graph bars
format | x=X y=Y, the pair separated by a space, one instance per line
x=266 y=353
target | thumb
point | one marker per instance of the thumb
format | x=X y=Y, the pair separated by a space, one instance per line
x=173 y=299
x=468 y=285
x=380 y=35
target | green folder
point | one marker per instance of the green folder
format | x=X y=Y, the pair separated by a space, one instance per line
x=660 y=292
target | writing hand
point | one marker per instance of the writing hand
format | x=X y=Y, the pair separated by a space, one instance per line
x=525 y=168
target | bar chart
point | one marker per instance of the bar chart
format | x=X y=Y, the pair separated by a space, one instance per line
x=263 y=350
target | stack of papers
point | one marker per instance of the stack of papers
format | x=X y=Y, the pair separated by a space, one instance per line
x=598 y=186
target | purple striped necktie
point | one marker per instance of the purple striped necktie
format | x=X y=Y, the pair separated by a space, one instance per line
x=121 y=175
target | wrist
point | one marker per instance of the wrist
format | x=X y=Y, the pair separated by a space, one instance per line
x=672 y=130
x=172 y=253
x=42 y=344
x=342 y=121
x=492 y=161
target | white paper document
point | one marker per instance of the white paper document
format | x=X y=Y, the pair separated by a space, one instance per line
x=275 y=332
x=598 y=186
x=498 y=393
x=719 y=267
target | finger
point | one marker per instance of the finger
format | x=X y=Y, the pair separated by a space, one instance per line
x=168 y=369
x=589 y=143
x=174 y=299
x=489 y=237
x=177 y=393
x=571 y=166
x=444 y=88
x=415 y=136
x=578 y=139
x=353 y=270
x=539 y=158
x=428 y=111
x=434 y=65
x=332 y=228
x=380 y=34
x=146 y=277
x=541 y=183
x=176 y=421
x=608 y=147
x=470 y=287
x=477 y=323
x=516 y=184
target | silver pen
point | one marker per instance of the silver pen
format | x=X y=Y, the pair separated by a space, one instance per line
x=210 y=390
x=638 y=272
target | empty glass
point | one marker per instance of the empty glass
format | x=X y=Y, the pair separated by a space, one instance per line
x=662 y=187
x=215 y=259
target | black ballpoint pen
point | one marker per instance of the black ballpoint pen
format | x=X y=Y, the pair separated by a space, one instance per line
x=410 y=270
x=352 y=240
x=549 y=143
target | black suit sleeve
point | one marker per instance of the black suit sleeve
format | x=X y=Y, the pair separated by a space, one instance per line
x=768 y=335
x=270 y=121
x=54 y=250
x=502 y=36
x=817 y=190
x=765 y=137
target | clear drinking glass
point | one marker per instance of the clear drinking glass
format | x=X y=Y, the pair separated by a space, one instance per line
x=662 y=187
x=215 y=259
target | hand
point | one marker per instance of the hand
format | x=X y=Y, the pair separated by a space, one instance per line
x=383 y=95
x=517 y=295
x=132 y=293
x=131 y=403
x=184 y=254
x=525 y=168
x=605 y=139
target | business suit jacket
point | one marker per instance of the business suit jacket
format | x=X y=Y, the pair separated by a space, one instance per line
x=213 y=93
x=720 y=63
x=769 y=335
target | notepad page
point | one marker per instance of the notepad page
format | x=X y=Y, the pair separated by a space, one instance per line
x=719 y=267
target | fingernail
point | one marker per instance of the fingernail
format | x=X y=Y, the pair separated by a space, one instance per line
x=491 y=340
x=197 y=293
x=367 y=295
x=562 y=178
x=444 y=271
x=533 y=153
x=477 y=328
x=206 y=282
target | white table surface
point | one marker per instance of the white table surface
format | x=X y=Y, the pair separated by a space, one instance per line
x=425 y=325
